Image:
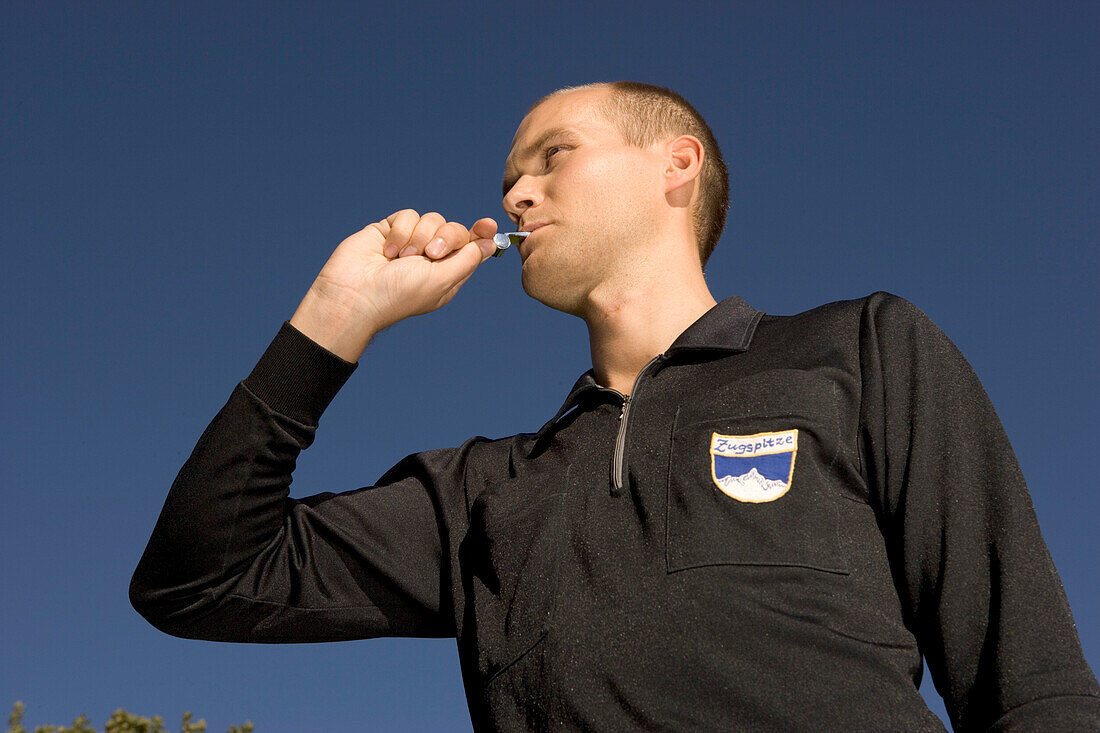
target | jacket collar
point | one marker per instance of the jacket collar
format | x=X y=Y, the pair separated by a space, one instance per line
x=728 y=326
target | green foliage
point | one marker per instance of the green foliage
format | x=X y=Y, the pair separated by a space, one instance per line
x=119 y=722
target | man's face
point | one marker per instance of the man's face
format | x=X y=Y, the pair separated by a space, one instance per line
x=586 y=195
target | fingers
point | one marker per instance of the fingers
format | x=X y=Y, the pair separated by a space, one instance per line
x=457 y=268
x=410 y=234
x=425 y=231
x=401 y=224
x=448 y=238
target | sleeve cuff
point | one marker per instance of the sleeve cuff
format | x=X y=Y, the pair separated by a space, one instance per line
x=298 y=377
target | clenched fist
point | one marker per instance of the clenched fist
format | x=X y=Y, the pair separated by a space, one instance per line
x=404 y=265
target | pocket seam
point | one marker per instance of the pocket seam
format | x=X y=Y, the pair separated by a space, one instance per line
x=757 y=564
x=556 y=500
x=508 y=665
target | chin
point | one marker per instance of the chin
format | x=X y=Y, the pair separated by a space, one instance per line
x=550 y=291
x=532 y=285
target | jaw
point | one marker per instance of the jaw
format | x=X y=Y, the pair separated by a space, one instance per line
x=553 y=282
x=548 y=293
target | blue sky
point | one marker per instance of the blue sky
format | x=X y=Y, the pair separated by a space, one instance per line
x=174 y=175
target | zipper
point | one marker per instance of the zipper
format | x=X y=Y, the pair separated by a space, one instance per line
x=618 y=458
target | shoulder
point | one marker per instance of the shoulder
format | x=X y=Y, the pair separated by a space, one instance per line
x=877 y=304
x=880 y=332
x=875 y=315
x=845 y=321
x=492 y=459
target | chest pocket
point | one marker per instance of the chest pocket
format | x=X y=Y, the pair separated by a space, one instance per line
x=511 y=553
x=749 y=480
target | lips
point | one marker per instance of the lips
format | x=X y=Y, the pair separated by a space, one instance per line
x=524 y=247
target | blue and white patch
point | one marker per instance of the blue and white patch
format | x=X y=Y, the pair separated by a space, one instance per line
x=753 y=468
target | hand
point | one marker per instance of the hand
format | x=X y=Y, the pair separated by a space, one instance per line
x=403 y=266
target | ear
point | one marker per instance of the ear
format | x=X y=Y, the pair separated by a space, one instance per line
x=683 y=164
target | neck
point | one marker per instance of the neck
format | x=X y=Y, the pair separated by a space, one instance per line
x=628 y=326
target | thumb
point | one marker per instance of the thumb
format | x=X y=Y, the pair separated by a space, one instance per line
x=484 y=228
x=482 y=233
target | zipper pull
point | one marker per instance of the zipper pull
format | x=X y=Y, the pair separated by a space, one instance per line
x=620 y=449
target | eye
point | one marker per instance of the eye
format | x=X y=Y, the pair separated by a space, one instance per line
x=552 y=150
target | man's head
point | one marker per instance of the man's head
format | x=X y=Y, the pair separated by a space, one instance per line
x=607 y=165
x=646 y=114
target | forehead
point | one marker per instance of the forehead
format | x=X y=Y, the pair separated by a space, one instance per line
x=575 y=112
x=577 y=108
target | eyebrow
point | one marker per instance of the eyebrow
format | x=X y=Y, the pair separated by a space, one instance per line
x=539 y=143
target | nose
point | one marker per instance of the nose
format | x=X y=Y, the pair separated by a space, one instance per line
x=522 y=196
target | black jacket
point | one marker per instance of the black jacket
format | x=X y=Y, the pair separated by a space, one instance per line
x=787 y=513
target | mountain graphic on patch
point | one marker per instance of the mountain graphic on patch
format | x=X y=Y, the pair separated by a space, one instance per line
x=754 y=468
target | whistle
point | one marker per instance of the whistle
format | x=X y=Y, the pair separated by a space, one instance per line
x=504 y=240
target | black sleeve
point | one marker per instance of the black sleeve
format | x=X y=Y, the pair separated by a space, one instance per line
x=232 y=558
x=976 y=579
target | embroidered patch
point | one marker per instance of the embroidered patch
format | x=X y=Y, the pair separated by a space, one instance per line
x=753 y=468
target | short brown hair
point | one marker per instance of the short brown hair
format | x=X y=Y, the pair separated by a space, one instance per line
x=646 y=114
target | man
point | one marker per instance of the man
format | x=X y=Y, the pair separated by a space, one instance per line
x=735 y=522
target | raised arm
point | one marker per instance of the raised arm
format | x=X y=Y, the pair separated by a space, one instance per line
x=232 y=558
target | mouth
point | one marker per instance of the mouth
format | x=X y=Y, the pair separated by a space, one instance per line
x=524 y=247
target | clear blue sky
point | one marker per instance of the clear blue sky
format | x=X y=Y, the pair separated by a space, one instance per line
x=174 y=174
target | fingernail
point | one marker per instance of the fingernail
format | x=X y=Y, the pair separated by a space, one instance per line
x=410 y=250
x=436 y=247
x=390 y=251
